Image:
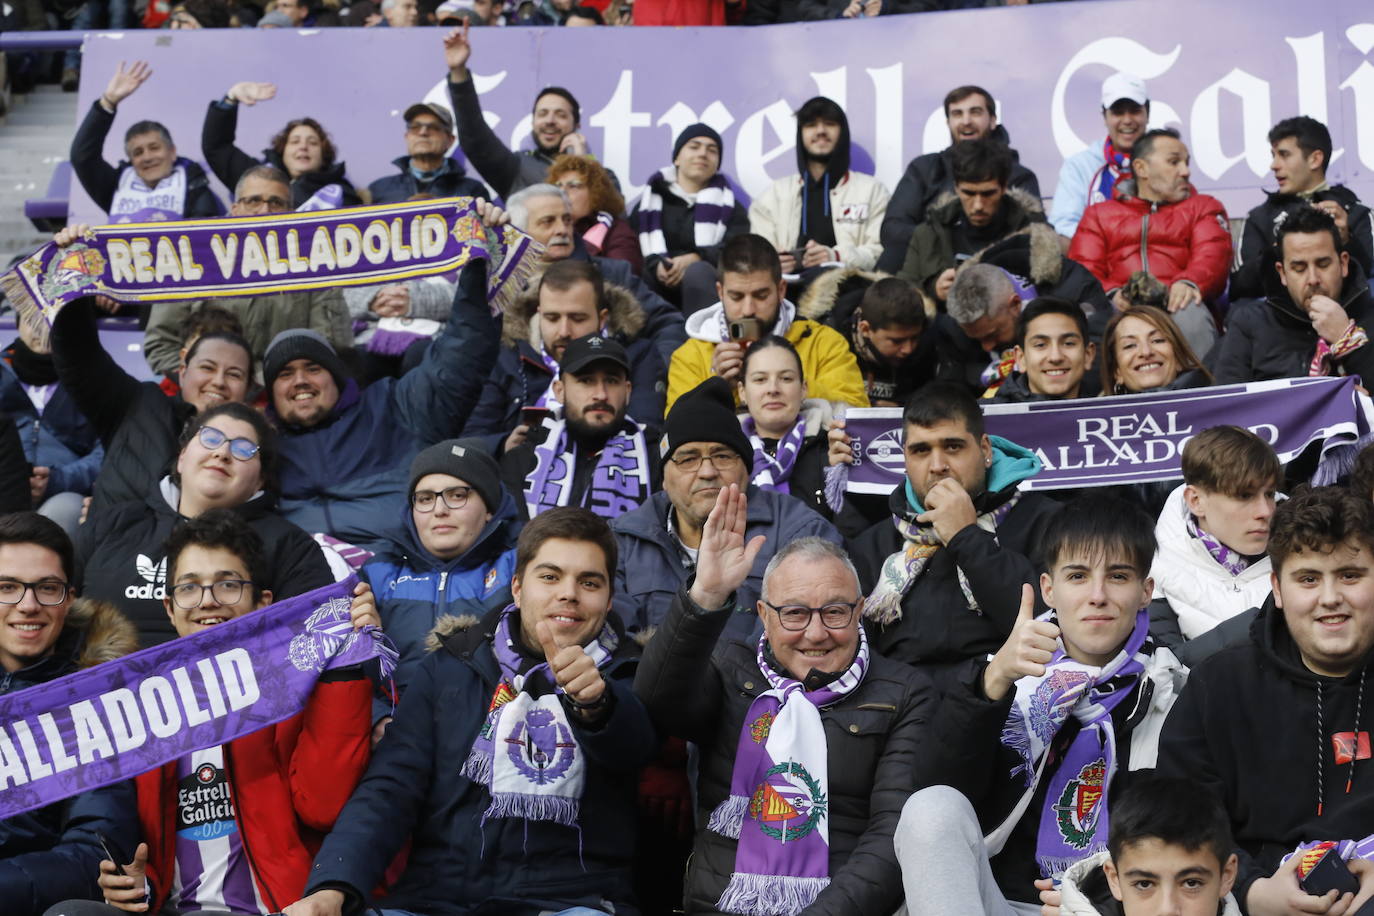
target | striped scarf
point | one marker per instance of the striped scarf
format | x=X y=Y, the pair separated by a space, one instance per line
x=710 y=213
x=1323 y=361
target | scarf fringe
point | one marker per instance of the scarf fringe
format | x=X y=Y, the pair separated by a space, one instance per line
x=25 y=308
x=836 y=481
x=769 y=895
x=1053 y=867
x=503 y=291
x=1338 y=461
x=728 y=817
x=1015 y=737
x=477 y=767
x=556 y=808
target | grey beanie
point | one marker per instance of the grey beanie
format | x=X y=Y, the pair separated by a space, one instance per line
x=465 y=459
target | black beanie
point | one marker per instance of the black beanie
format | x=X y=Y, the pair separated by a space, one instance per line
x=465 y=459
x=706 y=414
x=691 y=132
x=301 y=343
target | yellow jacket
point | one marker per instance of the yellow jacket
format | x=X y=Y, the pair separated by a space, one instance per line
x=828 y=365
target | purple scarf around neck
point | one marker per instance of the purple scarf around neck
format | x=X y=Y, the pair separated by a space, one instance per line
x=771 y=472
x=1234 y=563
x=620 y=481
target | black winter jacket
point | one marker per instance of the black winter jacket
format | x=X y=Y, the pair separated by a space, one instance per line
x=937 y=626
x=679 y=226
x=926 y=178
x=101 y=180
x=505 y=170
x=1273 y=338
x=452 y=181
x=1256 y=275
x=699 y=686
x=1256 y=726
x=459 y=865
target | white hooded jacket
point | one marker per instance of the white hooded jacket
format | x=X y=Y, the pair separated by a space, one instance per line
x=1074 y=903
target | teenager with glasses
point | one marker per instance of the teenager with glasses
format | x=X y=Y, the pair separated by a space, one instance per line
x=228 y=460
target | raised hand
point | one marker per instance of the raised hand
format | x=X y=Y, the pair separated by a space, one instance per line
x=457 y=52
x=363 y=608
x=1329 y=319
x=727 y=360
x=126 y=891
x=572 y=667
x=841 y=452
x=125 y=82
x=949 y=508
x=492 y=215
x=724 y=559
x=251 y=93
x=574 y=144
x=1025 y=653
x=69 y=234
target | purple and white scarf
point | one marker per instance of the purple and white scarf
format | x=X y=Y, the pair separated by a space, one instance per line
x=771 y=472
x=1234 y=563
x=710 y=213
x=394 y=335
x=620 y=481
x=329 y=197
x=526 y=754
x=779 y=803
x=135 y=202
x=1073 y=822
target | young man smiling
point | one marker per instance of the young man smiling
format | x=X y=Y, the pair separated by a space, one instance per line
x=1045 y=732
x=1053 y=354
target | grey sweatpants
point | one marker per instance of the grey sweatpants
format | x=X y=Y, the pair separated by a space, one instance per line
x=945 y=869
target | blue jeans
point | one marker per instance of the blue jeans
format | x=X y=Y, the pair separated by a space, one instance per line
x=89 y=18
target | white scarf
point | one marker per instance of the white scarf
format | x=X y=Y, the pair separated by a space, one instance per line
x=135 y=202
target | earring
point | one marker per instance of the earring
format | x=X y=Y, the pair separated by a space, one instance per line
x=988 y=462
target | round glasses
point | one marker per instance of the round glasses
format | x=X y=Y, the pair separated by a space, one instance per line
x=48 y=592
x=241 y=448
x=797 y=617
x=191 y=595
x=453 y=497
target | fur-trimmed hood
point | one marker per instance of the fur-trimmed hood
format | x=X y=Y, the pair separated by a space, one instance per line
x=1046 y=258
x=449 y=625
x=946 y=207
x=106 y=633
x=626 y=319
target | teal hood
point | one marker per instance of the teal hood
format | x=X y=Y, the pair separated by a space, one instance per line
x=1011 y=464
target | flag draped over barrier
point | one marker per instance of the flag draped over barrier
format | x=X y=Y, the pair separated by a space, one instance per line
x=1136 y=438
x=124 y=717
x=261 y=255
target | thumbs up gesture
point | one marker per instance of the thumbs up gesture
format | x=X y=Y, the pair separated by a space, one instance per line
x=572 y=667
x=1029 y=647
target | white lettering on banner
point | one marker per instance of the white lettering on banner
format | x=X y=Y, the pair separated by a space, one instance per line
x=1205 y=131
x=616 y=121
x=1120 y=54
x=1361 y=35
x=888 y=163
x=161 y=704
x=751 y=159
x=1309 y=55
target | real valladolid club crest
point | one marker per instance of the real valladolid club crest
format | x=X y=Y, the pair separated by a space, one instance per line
x=760 y=727
x=789 y=804
x=325 y=632
x=1077 y=808
x=541 y=748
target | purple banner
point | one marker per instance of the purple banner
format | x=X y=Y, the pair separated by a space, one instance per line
x=1223 y=72
x=257 y=255
x=1132 y=438
x=121 y=718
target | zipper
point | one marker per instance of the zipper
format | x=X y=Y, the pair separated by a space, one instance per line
x=1145 y=240
x=258 y=880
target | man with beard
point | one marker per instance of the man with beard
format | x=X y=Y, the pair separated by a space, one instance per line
x=971 y=114
x=424 y=169
x=1302 y=151
x=826 y=213
x=753 y=305
x=594 y=456
x=1316 y=326
x=554 y=126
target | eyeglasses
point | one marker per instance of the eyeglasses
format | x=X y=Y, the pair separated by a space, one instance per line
x=721 y=461
x=48 y=593
x=241 y=448
x=191 y=595
x=572 y=185
x=273 y=204
x=453 y=497
x=796 y=617
x=420 y=127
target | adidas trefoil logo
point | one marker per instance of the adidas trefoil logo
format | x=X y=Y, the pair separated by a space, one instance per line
x=154 y=577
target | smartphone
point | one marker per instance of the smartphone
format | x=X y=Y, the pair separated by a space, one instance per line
x=798 y=254
x=534 y=417
x=105 y=847
x=743 y=329
x=1327 y=873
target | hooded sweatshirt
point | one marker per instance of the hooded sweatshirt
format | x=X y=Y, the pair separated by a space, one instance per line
x=1258 y=728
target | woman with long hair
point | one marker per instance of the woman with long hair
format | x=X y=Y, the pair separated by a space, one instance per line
x=598 y=209
x=1143 y=350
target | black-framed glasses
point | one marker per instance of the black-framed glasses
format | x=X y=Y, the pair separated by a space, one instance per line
x=273 y=204
x=420 y=127
x=48 y=592
x=453 y=497
x=241 y=448
x=721 y=461
x=191 y=595
x=797 y=617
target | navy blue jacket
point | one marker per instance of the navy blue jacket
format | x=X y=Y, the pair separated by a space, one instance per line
x=414 y=588
x=346 y=474
x=414 y=789
x=452 y=181
x=52 y=854
x=664 y=323
x=60 y=438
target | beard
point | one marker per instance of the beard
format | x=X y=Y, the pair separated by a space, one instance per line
x=591 y=437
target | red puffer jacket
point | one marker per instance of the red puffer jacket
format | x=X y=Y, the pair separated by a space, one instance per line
x=1188 y=240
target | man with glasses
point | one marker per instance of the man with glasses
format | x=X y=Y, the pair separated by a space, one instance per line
x=51 y=854
x=425 y=168
x=231 y=828
x=704 y=451
x=809 y=739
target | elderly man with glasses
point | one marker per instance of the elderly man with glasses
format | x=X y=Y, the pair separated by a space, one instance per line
x=426 y=168
x=809 y=739
x=704 y=451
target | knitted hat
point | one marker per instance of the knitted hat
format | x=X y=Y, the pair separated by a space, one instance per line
x=706 y=414
x=691 y=132
x=466 y=459
x=302 y=343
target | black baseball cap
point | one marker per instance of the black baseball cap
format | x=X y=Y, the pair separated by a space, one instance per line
x=582 y=352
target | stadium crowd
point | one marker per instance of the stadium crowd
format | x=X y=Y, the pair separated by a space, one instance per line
x=649 y=659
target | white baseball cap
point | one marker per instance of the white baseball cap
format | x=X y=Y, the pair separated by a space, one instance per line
x=1123 y=86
